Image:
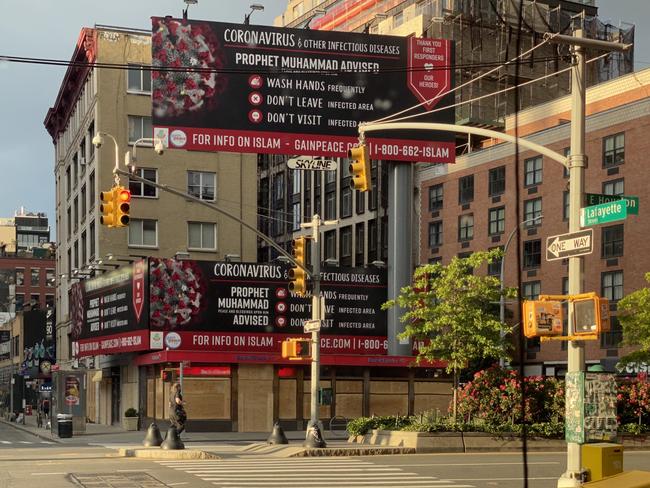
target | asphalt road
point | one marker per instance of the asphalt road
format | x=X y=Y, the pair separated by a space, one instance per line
x=12 y=438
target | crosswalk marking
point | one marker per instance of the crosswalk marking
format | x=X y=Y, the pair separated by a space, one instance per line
x=254 y=471
x=26 y=442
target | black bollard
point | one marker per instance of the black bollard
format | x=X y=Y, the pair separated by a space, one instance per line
x=314 y=438
x=153 y=437
x=172 y=440
x=277 y=436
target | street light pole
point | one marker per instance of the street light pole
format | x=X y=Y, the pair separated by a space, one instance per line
x=502 y=299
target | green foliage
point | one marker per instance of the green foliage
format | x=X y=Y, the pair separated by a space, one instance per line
x=131 y=412
x=634 y=316
x=452 y=311
x=363 y=425
x=634 y=429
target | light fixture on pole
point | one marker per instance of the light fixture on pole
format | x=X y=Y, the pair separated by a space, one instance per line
x=319 y=12
x=502 y=299
x=188 y=3
x=254 y=7
x=98 y=142
x=229 y=258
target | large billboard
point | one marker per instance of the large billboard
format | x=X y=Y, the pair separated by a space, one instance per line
x=247 y=307
x=109 y=313
x=39 y=353
x=260 y=89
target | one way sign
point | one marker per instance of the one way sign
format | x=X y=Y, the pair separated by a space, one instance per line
x=569 y=245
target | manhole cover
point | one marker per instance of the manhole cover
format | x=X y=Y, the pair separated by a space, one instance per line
x=117 y=480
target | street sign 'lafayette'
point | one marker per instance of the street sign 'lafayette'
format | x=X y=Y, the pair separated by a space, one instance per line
x=312 y=162
x=603 y=213
x=569 y=245
x=597 y=198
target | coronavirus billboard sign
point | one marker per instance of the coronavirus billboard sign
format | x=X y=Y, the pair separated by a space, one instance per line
x=260 y=89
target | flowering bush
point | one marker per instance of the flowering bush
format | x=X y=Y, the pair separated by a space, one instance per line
x=633 y=400
x=189 y=57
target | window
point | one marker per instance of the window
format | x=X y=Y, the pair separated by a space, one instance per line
x=91 y=134
x=68 y=182
x=565 y=286
x=202 y=236
x=143 y=232
x=139 y=79
x=532 y=254
x=435 y=234
x=566 y=205
x=75 y=206
x=201 y=184
x=497 y=181
x=465 y=227
x=84 y=244
x=360 y=202
x=466 y=189
x=565 y=173
x=531 y=290
x=91 y=189
x=330 y=244
x=533 y=171
x=50 y=278
x=346 y=201
x=34 y=300
x=435 y=197
x=330 y=204
x=613 y=150
x=497 y=221
x=532 y=212
x=69 y=222
x=20 y=301
x=614 y=187
x=612 y=241
x=296 y=217
x=139 y=189
x=612 y=285
x=359 y=243
x=295 y=183
x=139 y=127
x=614 y=337
x=346 y=246
x=84 y=210
x=82 y=154
x=20 y=277
x=494 y=268
x=49 y=301
x=35 y=276
x=372 y=240
x=91 y=234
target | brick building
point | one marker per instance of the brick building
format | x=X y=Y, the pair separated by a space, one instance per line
x=476 y=203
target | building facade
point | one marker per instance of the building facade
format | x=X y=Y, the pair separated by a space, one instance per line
x=117 y=101
x=476 y=203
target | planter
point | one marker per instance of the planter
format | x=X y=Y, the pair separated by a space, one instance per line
x=130 y=423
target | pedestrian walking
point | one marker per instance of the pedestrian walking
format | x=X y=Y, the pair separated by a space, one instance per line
x=177 y=414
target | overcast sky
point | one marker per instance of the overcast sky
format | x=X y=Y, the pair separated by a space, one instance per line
x=49 y=29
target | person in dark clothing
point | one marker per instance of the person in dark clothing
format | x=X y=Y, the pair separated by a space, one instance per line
x=177 y=415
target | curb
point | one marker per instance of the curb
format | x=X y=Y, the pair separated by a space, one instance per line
x=30 y=431
x=158 y=453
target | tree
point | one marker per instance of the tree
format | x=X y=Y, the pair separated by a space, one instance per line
x=451 y=312
x=634 y=316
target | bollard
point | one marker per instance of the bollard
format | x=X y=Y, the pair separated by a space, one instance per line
x=172 y=440
x=314 y=438
x=153 y=437
x=277 y=435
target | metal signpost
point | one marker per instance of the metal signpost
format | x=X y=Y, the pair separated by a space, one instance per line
x=563 y=246
x=603 y=213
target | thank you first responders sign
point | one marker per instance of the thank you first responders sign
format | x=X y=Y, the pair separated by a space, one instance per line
x=260 y=89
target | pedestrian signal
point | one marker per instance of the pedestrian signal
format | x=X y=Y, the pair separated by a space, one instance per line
x=591 y=316
x=296 y=349
x=542 y=318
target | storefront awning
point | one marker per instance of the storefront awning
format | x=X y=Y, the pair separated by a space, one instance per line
x=268 y=358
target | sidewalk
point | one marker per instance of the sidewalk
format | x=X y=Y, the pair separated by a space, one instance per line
x=114 y=435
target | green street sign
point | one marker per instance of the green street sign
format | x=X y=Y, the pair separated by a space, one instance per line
x=597 y=198
x=603 y=213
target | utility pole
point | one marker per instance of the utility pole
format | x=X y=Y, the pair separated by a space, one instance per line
x=312 y=438
x=575 y=473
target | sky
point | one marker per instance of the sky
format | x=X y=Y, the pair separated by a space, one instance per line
x=49 y=29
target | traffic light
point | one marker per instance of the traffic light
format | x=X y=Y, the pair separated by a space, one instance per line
x=297 y=275
x=359 y=167
x=107 y=207
x=591 y=316
x=542 y=318
x=122 y=198
x=296 y=349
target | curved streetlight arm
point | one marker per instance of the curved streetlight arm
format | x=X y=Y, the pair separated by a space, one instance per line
x=555 y=156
